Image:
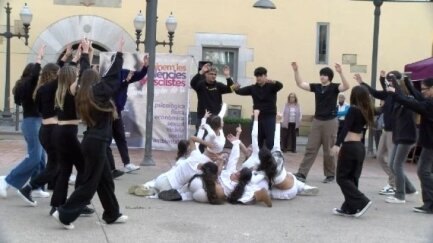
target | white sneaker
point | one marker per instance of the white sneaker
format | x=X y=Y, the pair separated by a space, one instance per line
x=66 y=226
x=72 y=179
x=3 y=187
x=120 y=220
x=309 y=191
x=131 y=167
x=387 y=190
x=393 y=199
x=39 y=193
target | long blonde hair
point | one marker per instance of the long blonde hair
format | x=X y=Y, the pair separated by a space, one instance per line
x=67 y=75
x=49 y=73
x=85 y=101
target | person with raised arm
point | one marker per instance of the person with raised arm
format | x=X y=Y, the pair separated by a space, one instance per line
x=324 y=126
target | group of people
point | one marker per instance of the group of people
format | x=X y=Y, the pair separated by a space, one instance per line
x=57 y=97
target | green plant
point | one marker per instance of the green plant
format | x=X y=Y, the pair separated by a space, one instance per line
x=236 y=120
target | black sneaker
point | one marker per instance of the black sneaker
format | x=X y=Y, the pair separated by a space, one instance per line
x=340 y=212
x=26 y=194
x=87 y=212
x=300 y=177
x=328 y=179
x=117 y=173
x=422 y=210
x=53 y=209
x=170 y=195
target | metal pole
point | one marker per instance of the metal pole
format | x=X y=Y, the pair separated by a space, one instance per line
x=8 y=35
x=150 y=48
x=377 y=5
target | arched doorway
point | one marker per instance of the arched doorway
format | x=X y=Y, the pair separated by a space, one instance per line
x=104 y=33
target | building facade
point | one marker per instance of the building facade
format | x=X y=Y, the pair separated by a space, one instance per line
x=315 y=33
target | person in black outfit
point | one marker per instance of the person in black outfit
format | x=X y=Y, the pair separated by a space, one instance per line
x=264 y=94
x=126 y=77
x=209 y=91
x=423 y=105
x=97 y=111
x=352 y=153
x=44 y=99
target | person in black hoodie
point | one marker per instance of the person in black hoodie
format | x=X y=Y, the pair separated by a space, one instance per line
x=385 y=142
x=209 y=91
x=94 y=105
x=423 y=105
x=35 y=157
x=403 y=138
x=264 y=94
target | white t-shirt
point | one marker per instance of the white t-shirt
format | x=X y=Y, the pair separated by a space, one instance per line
x=185 y=169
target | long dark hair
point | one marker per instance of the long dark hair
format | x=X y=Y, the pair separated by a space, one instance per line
x=48 y=74
x=85 y=101
x=27 y=73
x=360 y=98
x=209 y=176
x=214 y=122
x=244 y=178
x=268 y=165
x=182 y=148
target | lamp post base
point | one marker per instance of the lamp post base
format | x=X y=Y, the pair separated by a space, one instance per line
x=147 y=161
x=7 y=120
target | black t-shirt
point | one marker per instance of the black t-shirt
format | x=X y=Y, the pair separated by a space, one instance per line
x=45 y=97
x=326 y=100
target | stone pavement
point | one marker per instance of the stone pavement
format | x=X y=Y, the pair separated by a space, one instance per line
x=303 y=219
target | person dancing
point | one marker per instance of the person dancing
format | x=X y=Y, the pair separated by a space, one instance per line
x=97 y=111
x=352 y=153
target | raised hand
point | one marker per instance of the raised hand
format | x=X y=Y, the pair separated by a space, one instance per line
x=358 y=78
x=226 y=71
x=77 y=54
x=256 y=113
x=238 y=129
x=294 y=66
x=85 y=45
x=338 y=68
x=146 y=60
x=205 y=68
x=382 y=73
x=231 y=138
x=121 y=44
x=207 y=114
x=68 y=51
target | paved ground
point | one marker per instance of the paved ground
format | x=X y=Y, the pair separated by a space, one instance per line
x=304 y=219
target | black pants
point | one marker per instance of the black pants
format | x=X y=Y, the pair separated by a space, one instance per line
x=122 y=146
x=288 y=138
x=52 y=168
x=266 y=130
x=97 y=178
x=69 y=155
x=349 y=168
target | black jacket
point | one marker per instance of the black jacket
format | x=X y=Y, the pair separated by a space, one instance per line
x=209 y=95
x=264 y=97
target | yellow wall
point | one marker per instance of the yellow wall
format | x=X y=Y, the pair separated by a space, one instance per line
x=277 y=37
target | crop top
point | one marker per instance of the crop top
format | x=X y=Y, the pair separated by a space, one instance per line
x=354 y=122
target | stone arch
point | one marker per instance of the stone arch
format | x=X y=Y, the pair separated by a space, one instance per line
x=72 y=29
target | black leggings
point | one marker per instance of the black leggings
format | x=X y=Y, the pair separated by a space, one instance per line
x=97 y=178
x=52 y=168
x=69 y=154
x=349 y=168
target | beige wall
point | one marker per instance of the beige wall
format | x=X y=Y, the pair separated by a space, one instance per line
x=277 y=37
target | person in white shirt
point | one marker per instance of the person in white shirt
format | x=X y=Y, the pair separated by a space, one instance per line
x=342 y=109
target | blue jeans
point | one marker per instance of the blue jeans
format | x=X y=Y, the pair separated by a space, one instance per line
x=396 y=163
x=34 y=161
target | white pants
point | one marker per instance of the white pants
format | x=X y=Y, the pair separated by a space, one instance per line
x=288 y=194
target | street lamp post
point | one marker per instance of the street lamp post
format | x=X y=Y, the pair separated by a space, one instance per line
x=26 y=17
x=150 y=44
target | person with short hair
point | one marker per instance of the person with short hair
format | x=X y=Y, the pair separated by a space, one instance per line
x=209 y=91
x=324 y=127
x=264 y=95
